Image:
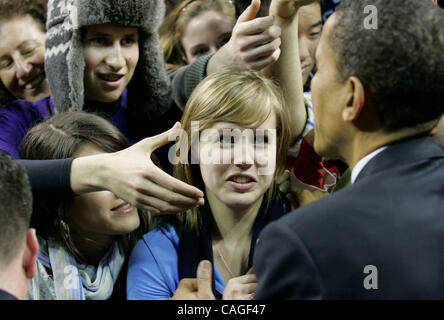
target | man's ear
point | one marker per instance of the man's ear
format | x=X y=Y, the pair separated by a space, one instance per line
x=30 y=254
x=355 y=99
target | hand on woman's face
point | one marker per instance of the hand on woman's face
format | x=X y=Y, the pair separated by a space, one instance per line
x=111 y=54
x=238 y=171
x=22 y=58
x=101 y=213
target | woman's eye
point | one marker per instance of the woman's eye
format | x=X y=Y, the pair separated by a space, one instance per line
x=5 y=64
x=199 y=52
x=261 y=140
x=27 y=51
x=226 y=140
x=315 y=34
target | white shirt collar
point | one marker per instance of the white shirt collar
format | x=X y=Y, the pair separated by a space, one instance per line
x=363 y=162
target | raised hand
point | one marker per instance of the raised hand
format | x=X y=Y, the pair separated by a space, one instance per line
x=287 y=8
x=254 y=43
x=132 y=176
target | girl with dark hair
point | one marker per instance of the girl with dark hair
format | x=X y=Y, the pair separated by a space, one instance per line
x=84 y=239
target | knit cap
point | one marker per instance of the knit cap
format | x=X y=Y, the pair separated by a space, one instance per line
x=149 y=91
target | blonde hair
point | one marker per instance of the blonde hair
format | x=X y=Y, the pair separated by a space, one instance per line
x=174 y=25
x=245 y=98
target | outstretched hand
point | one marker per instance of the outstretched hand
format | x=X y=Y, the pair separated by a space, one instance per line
x=132 y=176
x=254 y=43
x=199 y=288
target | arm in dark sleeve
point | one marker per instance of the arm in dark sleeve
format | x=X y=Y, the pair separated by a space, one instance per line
x=49 y=175
x=284 y=267
x=185 y=79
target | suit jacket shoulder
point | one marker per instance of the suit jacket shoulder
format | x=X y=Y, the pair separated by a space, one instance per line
x=391 y=219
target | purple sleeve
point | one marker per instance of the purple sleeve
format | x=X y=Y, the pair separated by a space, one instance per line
x=17 y=118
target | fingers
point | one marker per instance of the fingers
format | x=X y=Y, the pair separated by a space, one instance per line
x=153 y=189
x=156 y=206
x=249 y=288
x=241 y=288
x=264 y=62
x=186 y=290
x=256 y=43
x=262 y=51
x=247 y=278
x=251 y=11
x=170 y=183
x=259 y=39
x=204 y=280
x=256 y=26
x=162 y=139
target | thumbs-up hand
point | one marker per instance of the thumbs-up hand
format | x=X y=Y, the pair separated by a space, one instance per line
x=285 y=9
x=254 y=43
x=132 y=176
x=199 y=288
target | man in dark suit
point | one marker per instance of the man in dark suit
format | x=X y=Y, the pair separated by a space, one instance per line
x=18 y=243
x=377 y=95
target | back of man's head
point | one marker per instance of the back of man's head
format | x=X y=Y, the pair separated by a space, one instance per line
x=395 y=48
x=15 y=207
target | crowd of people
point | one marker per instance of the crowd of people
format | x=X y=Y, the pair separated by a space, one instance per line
x=216 y=149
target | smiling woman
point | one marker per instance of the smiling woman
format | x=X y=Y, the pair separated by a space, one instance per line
x=22 y=50
x=91 y=233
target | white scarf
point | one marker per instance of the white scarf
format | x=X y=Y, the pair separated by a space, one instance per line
x=73 y=281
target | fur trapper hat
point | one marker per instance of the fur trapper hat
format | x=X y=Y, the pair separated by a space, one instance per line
x=149 y=89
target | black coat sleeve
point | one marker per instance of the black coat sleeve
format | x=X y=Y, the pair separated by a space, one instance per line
x=284 y=267
x=49 y=175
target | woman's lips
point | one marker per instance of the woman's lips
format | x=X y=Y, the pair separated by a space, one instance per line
x=241 y=182
x=34 y=83
x=124 y=208
x=241 y=186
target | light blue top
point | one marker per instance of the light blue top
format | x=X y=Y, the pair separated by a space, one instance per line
x=153 y=272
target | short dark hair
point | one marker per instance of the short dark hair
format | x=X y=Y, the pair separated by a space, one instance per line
x=399 y=63
x=59 y=137
x=241 y=5
x=17 y=8
x=15 y=206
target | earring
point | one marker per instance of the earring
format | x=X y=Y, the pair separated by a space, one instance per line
x=65 y=229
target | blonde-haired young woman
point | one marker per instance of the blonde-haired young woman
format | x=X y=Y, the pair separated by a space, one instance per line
x=235 y=155
x=195 y=28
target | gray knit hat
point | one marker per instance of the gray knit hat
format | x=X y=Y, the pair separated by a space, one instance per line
x=149 y=89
